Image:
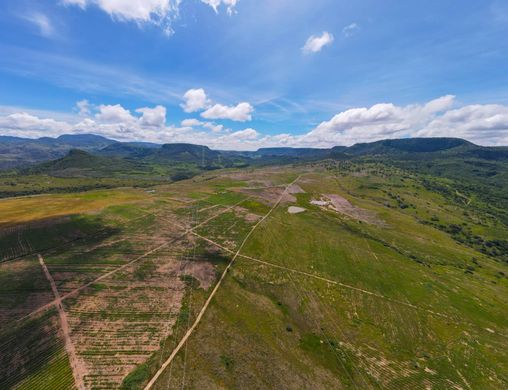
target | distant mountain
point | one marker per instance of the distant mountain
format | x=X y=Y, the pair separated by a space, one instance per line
x=180 y=152
x=407 y=145
x=292 y=152
x=187 y=153
x=78 y=163
x=6 y=139
x=85 y=141
x=19 y=152
x=129 y=149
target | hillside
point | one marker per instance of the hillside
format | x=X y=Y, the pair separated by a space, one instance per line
x=409 y=145
x=78 y=163
x=19 y=152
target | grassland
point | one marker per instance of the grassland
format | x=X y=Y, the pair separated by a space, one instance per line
x=414 y=296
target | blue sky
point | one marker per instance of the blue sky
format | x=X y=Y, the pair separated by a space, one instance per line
x=264 y=72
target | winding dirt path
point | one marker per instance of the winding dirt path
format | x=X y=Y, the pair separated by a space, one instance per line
x=78 y=371
x=214 y=291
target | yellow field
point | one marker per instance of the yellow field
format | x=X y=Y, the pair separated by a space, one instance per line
x=19 y=210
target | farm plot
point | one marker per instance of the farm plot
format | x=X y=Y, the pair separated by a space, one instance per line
x=119 y=322
x=130 y=309
x=32 y=355
x=29 y=238
x=23 y=288
x=228 y=229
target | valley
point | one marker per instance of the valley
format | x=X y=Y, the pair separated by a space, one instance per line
x=386 y=279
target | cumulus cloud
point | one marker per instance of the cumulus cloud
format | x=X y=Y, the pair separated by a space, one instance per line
x=195 y=100
x=152 y=116
x=483 y=124
x=207 y=125
x=213 y=127
x=157 y=12
x=114 y=114
x=240 y=113
x=478 y=123
x=191 y=122
x=315 y=43
x=245 y=134
x=379 y=121
x=83 y=107
x=439 y=105
x=23 y=124
x=442 y=117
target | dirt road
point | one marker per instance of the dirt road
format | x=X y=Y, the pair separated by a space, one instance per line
x=212 y=294
x=78 y=370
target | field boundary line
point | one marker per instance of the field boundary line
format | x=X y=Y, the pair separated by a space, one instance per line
x=112 y=272
x=64 y=325
x=212 y=294
x=273 y=265
x=344 y=285
x=68 y=242
x=86 y=285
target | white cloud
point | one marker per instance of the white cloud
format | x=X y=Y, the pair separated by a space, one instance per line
x=157 y=12
x=315 y=43
x=83 y=107
x=22 y=124
x=478 y=123
x=195 y=100
x=350 y=30
x=240 y=113
x=482 y=124
x=114 y=113
x=152 y=116
x=80 y=3
x=191 y=123
x=439 y=105
x=245 y=134
x=213 y=127
x=229 y=4
x=42 y=22
x=206 y=125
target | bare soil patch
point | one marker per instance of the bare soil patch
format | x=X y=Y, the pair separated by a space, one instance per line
x=203 y=271
x=341 y=205
x=246 y=215
x=295 y=189
x=296 y=210
x=270 y=196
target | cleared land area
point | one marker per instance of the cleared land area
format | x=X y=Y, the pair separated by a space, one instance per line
x=213 y=283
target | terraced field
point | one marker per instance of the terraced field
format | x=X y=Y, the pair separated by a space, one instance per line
x=212 y=283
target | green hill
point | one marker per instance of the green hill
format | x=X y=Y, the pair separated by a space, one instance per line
x=78 y=163
x=409 y=145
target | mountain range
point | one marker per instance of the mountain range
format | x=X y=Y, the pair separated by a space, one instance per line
x=22 y=152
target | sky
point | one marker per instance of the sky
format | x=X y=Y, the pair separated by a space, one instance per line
x=244 y=74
